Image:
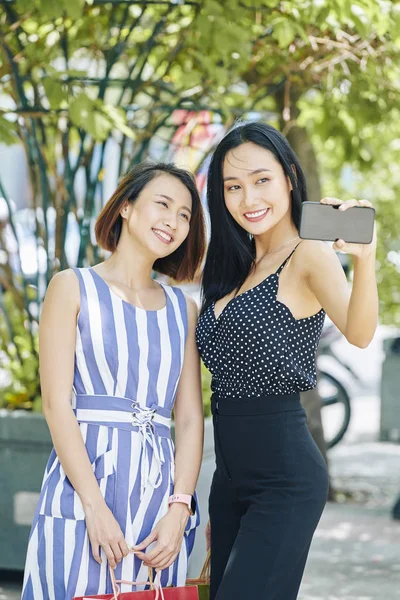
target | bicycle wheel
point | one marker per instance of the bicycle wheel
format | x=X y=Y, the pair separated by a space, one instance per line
x=336 y=408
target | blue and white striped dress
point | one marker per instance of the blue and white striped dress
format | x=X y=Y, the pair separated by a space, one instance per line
x=127 y=367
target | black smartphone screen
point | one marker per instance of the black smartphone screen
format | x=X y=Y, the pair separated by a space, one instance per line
x=325 y=222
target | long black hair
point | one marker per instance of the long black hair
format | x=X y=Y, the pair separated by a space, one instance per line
x=231 y=251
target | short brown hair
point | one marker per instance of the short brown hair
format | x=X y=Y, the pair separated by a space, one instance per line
x=184 y=263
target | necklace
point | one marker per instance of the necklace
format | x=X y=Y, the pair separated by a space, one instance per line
x=278 y=248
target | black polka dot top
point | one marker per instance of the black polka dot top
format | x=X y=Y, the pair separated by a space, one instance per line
x=256 y=347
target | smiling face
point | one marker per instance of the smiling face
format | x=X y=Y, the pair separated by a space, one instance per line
x=256 y=189
x=159 y=218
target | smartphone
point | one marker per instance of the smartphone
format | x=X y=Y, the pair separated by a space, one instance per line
x=325 y=222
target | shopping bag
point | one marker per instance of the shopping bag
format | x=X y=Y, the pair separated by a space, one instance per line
x=157 y=592
x=203 y=581
x=170 y=593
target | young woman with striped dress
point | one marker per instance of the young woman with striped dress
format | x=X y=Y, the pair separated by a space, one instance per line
x=117 y=354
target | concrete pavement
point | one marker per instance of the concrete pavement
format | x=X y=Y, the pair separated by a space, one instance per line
x=355 y=553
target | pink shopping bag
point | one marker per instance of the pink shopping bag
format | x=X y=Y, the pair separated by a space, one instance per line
x=157 y=592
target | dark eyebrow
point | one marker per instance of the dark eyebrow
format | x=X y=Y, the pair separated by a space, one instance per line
x=172 y=200
x=250 y=173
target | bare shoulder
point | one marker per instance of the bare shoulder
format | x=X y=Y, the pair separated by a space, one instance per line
x=314 y=254
x=311 y=248
x=63 y=281
x=192 y=309
x=64 y=288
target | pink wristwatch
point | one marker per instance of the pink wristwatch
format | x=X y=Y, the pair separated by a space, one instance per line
x=184 y=499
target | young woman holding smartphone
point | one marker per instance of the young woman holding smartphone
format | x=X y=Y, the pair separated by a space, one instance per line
x=117 y=353
x=266 y=294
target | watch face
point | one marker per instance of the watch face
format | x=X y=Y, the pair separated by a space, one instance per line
x=193 y=505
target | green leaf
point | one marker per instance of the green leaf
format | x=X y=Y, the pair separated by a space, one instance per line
x=87 y=114
x=24 y=5
x=54 y=92
x=98 y=126
x=60 y=8
x=37 y=404
x=323 y=16
x=284 y=32
x=8 y=132
x=80 y=109
x=301 y=32
x=73 y=8
x=214 y=8
x=52 y=9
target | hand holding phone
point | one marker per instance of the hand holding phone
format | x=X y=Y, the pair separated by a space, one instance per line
x=327 y=221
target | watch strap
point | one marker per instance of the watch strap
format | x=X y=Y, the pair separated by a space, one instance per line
x=182 y=498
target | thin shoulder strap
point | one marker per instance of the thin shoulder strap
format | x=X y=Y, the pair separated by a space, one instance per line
x=279 y=269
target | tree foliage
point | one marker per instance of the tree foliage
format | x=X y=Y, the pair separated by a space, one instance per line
x=77 y=75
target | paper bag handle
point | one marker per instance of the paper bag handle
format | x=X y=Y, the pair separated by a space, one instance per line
x=205 y=572
x=155 y=585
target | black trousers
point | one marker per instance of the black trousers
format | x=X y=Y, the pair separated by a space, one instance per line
x=267 y=496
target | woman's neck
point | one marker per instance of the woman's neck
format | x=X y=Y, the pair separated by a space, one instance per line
x=129 y=267
x=275 y=239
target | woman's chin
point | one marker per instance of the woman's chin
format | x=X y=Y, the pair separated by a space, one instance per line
x=158 y=253
x=256 y=228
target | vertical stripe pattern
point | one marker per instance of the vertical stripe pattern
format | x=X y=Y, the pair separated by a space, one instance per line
x=127 y=365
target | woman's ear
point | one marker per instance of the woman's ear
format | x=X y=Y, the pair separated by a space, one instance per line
x=124 y=209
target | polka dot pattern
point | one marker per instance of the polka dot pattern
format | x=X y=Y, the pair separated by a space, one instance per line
x=256 y=347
